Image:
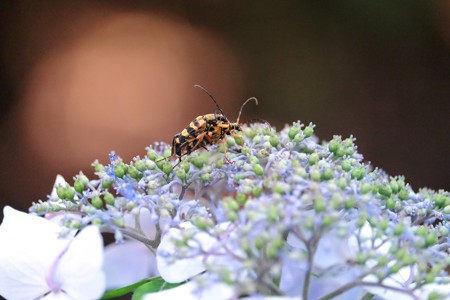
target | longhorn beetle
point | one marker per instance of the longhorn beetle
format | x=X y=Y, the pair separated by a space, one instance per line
x=206 y=130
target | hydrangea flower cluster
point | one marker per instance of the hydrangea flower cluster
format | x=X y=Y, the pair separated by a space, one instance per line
x=289 y=216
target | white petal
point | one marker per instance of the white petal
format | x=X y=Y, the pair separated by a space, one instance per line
x=293 y=276
x=57 y=296
x=397 y=280
x=29 y=245
x=128 y=263
x=331 y=251
x=181 y=269
x=145 y=220
x=191 y=291
x=80 y=268
x=271 y=298
x=441 y=289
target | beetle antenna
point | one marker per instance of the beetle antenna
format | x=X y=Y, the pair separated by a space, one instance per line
x=246 y=101
x=210 y=96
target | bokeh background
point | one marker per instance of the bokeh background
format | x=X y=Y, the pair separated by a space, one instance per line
x=81 y=78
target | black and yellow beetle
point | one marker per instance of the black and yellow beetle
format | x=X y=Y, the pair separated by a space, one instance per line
x=205 y=130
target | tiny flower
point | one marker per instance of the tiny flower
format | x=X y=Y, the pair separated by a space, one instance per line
x=36 y=263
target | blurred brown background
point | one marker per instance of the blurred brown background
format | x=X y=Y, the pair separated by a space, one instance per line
x=79 y=79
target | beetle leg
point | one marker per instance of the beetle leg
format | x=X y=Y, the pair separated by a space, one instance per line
x=225 y=152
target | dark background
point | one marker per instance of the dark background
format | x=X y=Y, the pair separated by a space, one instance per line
x=79 y=79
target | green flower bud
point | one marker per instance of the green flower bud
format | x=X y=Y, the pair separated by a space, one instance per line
x=119 y=170
x=350 y=203
x=358 y=173
x=293 y=131
x=308 y=131
x=401 y=253
x=399 y=229
x=185 y=166
x=56 y=208
x=119 y=222
x=395 y=268
x=151 y=154
x=313 y=158
x=394 y=186
x=403 y=194
x=342 y=183
x=150 y=164
x=167 y=168
x=360 y=222
x=327 y=174
x=75 y=224
x=249 y=132
x=140 y=165
x=199 y=161
x=346 y=165
x=109 y=198
x=333 y=146
x=382 y=261
x=385 y=190
x=259 y=242
x=205 y=177
x=431 y=239
x=231 y=216
x=274 y=141
x=98 y=167
x=365 y=188
x=258 y=169
x=422 y=231
x=436 y=269
x=61 y=192
x=319 y=204
x=239 y=176
x=430 y=278
x=373 y=222
x=133 y=171
x=435 y=296
x=239 y=141
x=256 y=191
x=280 y=188
x=219 y=163
x=181 y=174
x=78 y=186
x=361 y=258
x=97 y=202
x=202 y=223
x=439 y=200
x=327 y=221
x=349 y=151
x=107 y=182
x=384 y=224
x=273 y=214
x=391 y=203
x=272 y=251
x=340 y=152
x=241 y=198
x=315 y=175
x=70 y=193
x=408 y=260
x=233 y=204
